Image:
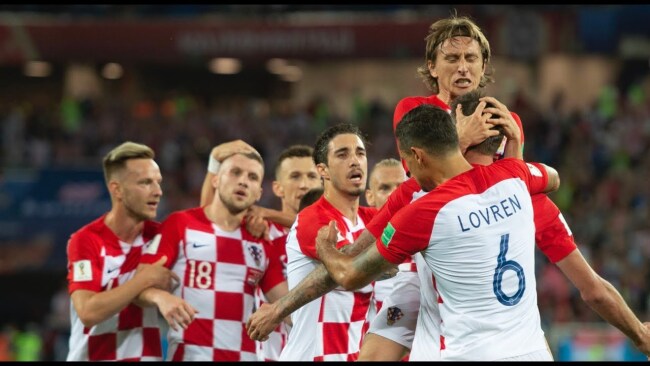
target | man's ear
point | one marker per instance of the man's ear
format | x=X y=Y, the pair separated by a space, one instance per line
x=432 y=68
x=278 y=190
x=419 y=154
x=323 y=171
x=115 y=189
x=215 y=181
x=370 y=197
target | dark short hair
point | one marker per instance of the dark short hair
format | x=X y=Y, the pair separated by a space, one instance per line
x=310 y=197
x=323 y=140
x=294 y=151
x=427 y=127
x=469 y=102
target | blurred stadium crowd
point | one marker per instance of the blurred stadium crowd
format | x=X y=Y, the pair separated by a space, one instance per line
x=602 y=154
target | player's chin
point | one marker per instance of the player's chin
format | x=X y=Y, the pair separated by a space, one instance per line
x=356 y=191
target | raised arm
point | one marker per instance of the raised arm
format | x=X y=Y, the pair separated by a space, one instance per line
x=315 y=285
x=605 y=300
x=350 y=272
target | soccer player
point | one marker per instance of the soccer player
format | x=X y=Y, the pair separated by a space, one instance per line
x=486 y=312
x=331 y=327
x=295 y=175
x=257 y=217
x=102 y=260
x=220 y=264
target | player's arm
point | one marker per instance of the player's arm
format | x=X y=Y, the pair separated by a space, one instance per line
x=350 y=272
x=217 y=155
x=95 y=307
x=270 y=214
x=175 y=310
x=553 y=179
x=316 y=284
x=605 y=300
x=378 y=348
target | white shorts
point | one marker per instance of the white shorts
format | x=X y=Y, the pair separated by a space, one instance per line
x=399 y=313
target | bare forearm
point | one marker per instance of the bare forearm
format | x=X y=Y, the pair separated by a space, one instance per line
x=611 y=306
x=207 y=190
x=97 y=307
x=148 y=297
x=315 y=285
x=280 y=217
x=514 y=150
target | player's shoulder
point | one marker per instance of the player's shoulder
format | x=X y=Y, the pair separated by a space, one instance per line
x=194 y=213
x=320 y=211
x=367 y=213
x=94 y=228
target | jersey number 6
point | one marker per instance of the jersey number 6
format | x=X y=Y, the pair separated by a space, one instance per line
x=502 y=266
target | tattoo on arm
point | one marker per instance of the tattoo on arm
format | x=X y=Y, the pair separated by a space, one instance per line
x=315 y=285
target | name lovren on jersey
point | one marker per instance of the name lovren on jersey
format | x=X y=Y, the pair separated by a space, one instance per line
x=489 y=215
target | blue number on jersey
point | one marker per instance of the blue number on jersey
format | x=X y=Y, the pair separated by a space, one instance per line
x=502 y=266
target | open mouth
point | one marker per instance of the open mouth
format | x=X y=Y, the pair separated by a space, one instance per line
x=355 y=177
x=463 y=83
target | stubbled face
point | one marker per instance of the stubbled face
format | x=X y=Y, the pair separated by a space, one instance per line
x=296 y=176
x=383 y=181
x=239 y=183
x=459 y=67
x=139 y=189
x=347 y=164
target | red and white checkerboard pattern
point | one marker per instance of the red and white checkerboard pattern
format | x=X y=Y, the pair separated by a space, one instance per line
x=220 y=271
x=270 y=349
x=330 y=328
x=131 y=335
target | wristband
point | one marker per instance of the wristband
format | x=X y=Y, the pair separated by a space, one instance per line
x=213 y=165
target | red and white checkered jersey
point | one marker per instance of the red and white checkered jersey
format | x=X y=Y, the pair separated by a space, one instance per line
x=331 y=327
x=99 y=261
x=270 y=349
x=219 y=272
x=476 y=233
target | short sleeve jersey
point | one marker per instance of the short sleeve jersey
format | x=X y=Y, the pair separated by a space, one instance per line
x=99 y=261
x=476 y=234
x=331 y=327
x=270 y=349
x=219 y=271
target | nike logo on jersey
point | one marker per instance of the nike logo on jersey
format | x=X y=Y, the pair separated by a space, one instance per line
x=198 y=245
x=113 y=270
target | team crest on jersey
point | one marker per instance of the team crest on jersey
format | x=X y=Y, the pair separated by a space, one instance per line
x=394 y=314
x=256 y=253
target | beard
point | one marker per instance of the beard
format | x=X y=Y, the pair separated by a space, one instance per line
x=234 y=208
